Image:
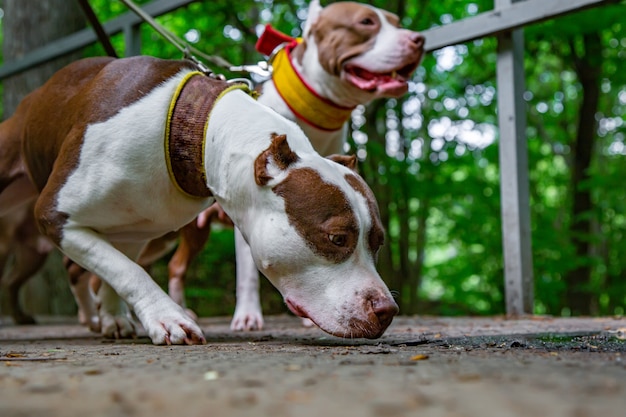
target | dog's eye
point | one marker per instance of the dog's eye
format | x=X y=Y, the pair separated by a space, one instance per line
x=367 y=22
x=339 y=240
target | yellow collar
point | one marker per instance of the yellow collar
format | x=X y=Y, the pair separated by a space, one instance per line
x=303 y=101
x=185 y=130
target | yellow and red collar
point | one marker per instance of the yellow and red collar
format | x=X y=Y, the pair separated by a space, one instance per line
x=303 y=101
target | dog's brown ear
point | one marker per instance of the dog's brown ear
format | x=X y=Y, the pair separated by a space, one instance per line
x=279 y=154
x=348 y=161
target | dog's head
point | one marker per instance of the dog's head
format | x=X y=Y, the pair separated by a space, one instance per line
x=316 y=238
x=354 y=53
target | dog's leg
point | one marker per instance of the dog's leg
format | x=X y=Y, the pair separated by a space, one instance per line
x=88 y=303
x=193 y=237
x=164 y=320
x=192 y=240
x=28 y=260
x=115 y=317
x=248 y=314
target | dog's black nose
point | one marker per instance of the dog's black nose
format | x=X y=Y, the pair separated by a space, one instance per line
x=384 y=308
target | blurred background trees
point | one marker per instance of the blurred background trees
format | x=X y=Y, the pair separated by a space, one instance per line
x=431 y=158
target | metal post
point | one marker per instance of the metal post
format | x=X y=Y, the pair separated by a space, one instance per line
x=132 y=40
x=515 y=204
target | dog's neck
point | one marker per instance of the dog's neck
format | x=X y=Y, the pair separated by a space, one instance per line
x=302 y=98
x=186 y=127
x=232 y=146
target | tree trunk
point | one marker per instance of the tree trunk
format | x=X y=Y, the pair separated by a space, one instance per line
x=27 y=26
x=588 y=67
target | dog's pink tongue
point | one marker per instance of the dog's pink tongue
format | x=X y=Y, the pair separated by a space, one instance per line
x=366 y=80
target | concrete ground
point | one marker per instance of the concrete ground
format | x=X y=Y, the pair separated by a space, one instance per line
x=422 y=366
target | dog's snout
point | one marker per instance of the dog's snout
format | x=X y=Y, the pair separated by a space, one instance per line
x=417 y=38
x=385 y=309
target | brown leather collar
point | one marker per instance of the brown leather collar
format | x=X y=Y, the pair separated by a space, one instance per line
x=185 y=131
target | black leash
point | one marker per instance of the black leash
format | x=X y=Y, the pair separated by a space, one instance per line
x=261 y=69
x=97 y=27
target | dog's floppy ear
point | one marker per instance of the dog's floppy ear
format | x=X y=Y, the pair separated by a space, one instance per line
x=348 y=161
x=278 y=156
x=313 y=13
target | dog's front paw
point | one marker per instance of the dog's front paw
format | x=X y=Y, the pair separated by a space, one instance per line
x=246 y=320
x=117 y=326
x=174 y=330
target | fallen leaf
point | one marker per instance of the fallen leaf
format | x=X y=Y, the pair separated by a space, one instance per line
x=419 y=357
x=15 y=355
x=93 y=372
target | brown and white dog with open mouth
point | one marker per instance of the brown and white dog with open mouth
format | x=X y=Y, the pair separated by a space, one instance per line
x=118 y=152
x=349 y=54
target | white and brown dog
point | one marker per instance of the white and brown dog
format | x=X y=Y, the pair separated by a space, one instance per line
x=349 y=54
x=119 y=152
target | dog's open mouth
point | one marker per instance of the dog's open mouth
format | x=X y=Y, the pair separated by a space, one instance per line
x=388 y=82
x=296 y=309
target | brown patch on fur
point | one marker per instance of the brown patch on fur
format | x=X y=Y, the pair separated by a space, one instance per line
x=348 y=161
x=392 y=18
x=320 y=213
x=281 y=154
x=376 y=234
x=342 y=31
x=53 y=119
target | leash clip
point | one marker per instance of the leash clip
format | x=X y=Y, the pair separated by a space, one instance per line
x=261 y=68
x=203 y=68
x=242 y=81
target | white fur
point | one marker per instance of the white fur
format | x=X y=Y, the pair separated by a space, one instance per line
x=326 y=290
x=123 y=158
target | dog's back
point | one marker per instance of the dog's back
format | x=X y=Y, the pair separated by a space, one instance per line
x=69 y=105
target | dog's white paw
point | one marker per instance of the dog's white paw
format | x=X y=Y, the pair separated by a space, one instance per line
x=246 y=320
x=174 y=330
x=117 y=326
